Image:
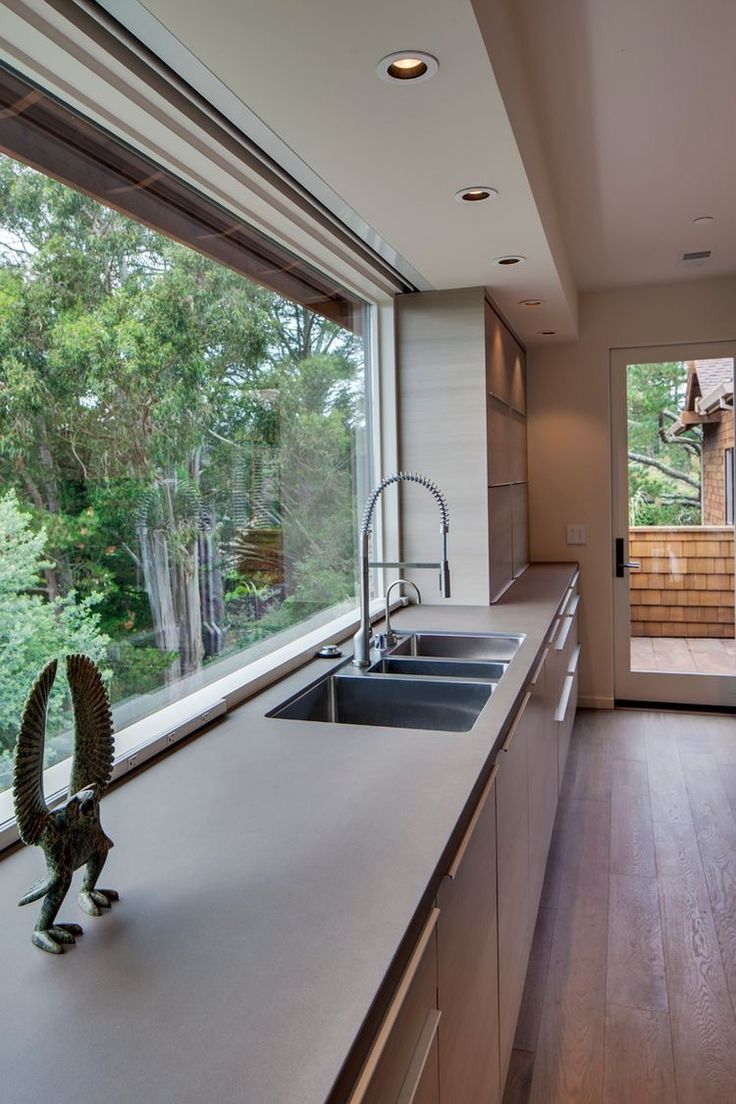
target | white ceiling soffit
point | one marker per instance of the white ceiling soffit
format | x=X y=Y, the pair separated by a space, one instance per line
x=636 y=104
x=300 y=80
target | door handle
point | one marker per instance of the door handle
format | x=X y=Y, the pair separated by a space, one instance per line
x=621 y=564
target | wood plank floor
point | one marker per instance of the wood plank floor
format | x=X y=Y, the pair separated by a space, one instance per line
x=630 y=995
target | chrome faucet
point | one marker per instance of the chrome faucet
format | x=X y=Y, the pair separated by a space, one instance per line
x=388 y=637
x=362 y=638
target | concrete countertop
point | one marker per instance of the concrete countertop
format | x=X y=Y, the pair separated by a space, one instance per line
x=269 y=873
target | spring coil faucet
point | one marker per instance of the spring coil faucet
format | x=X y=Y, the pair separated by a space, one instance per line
x=362 y=638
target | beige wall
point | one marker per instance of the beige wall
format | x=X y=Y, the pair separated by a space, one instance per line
x=569 y=437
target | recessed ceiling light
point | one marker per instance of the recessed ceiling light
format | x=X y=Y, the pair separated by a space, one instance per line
x=407 y=66
x=511 y=259
x=701 y=219
x=475 y=194
x=531 y=302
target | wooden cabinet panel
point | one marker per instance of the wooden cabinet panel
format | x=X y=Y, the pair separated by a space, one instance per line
x=517 y=446
x=467 y=953
x=500 y=501
x=519 y=528
x=518 y=375
x=499 y=446
x=505 y=363
x=512 y=826
x=461 y=409
x=497 y=376
x=402 y=1062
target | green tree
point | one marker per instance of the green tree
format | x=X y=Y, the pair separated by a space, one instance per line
x=33 y=630
x=664 y=473
x=139 y=384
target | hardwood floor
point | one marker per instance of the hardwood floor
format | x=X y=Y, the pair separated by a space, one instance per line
x=631 y=988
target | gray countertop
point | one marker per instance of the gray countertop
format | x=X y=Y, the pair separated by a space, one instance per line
x=269 y=872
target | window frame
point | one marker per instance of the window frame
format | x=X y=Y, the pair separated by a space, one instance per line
x=729 y=473
x=166 y=727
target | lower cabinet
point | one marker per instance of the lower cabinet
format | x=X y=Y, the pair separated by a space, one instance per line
x=402 y=1065
x=514 y=924
x=449 y=1031
x=467 y=964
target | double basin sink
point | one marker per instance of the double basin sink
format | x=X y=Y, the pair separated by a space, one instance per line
x=428 y=680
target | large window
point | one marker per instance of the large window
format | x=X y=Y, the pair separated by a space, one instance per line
x=182 y=453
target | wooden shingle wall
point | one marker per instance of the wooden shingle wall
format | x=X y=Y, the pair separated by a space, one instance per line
x=686 y=583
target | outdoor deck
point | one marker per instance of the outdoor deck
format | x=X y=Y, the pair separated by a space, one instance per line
x=694 y=655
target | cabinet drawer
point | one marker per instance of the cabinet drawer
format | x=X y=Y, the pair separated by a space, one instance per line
x=401 y=1067
x=565 y=713
x=467 y=957
x=514 y=928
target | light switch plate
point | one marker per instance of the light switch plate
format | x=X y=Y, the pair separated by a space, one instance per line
x=577 y=534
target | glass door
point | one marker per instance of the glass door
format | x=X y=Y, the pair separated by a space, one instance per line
x=672 y=413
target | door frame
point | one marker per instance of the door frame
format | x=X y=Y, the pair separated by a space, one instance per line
x=714 y=691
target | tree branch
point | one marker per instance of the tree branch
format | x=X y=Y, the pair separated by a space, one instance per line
x=649 y=461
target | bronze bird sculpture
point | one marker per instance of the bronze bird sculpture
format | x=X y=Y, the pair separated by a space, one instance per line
x=71 y=836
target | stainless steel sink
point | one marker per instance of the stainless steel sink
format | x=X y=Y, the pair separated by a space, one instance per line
x=386 y=701
x=435 y=667
x=477 y=646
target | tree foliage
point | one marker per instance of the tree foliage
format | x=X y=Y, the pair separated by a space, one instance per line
x=144 y=389
x=34 y=631
x=664 y=474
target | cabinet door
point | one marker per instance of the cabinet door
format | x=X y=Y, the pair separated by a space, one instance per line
x=401 y=1067
x=500 y=465
x=519 y=529
x=467 y=956
x=512 y=826
x=517 y=446
x=543 y=784
x=500 y=502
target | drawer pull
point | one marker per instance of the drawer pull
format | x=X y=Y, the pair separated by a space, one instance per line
x=460 y=853
x=564 y=698
x=574 y=661
x=389 y=1020
x=540 y=665
x=419 y=1059
x=564 y=633
x=565 y=603
x=516 y=722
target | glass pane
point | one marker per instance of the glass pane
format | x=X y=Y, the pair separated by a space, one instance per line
x=680 y=453
x=182 y=455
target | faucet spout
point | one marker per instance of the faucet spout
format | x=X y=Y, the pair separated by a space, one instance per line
x=388 y=637
x=362 y=638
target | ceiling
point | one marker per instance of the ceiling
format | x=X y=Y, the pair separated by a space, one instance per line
x=636 y=105
x=607 y=128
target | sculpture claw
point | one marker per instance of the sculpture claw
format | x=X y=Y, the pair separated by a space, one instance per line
x=51 y=939
x=46 y=942
x=94 y=900
x=65 y=933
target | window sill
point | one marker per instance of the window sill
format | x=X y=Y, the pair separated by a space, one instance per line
x=138 y=742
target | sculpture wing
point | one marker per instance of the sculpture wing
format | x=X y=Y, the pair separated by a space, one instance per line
x=93 y=741
x=31 y=810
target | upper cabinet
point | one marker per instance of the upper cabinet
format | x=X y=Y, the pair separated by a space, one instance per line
x=462 y=421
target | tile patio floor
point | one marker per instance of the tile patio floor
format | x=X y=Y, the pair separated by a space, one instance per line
x=696 y=655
